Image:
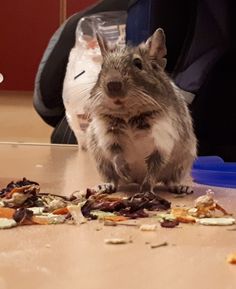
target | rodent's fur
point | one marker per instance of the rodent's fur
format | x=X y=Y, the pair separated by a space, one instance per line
x=141 y=131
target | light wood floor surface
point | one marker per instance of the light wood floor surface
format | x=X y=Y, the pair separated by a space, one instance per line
x=19 y=122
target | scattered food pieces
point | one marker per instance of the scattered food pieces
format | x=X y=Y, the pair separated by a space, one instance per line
x=101 y=215
x=148 y=227
x=115 y=241
x=128 y=224
x=7 y=223
x=16 y=193
x=132 y=207
x=181 y=215
x=53 y=202
x=76 y=213
x=61 y=211
x=6 y=212
x=165 y=216
x=37 y=210
x=113 y=224
x=23 y=216
x=231 y=259
x=169 y=223
x=216 y=221
x=154 y=246
x=22 y=203
x=49 y=219
x=110 y=223
x=116 y=218
x=206 y=206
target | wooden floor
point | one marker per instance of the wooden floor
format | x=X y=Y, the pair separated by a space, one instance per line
x=19 y=122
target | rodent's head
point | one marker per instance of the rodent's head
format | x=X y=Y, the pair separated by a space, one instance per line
x=131 y=75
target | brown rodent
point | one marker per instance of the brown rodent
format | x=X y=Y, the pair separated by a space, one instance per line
x=141 y=130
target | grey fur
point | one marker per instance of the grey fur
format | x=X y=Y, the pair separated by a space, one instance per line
x=147 y=99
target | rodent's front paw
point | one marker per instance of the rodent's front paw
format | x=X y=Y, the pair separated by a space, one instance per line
x=122 y=168
x=106 y=188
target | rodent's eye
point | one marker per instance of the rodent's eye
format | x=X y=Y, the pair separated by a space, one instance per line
x=138 y=63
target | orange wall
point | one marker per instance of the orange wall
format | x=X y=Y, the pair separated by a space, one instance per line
x=77 y=5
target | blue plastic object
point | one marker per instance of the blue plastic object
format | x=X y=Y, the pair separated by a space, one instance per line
x=212 y=170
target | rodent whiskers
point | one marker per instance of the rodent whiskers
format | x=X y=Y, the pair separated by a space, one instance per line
x=146 y=99
x=94 y=102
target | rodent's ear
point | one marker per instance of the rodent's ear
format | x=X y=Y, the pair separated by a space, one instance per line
x=102 y=44
x=156 y=46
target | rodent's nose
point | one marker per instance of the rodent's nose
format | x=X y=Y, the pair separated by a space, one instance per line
x=114 y=87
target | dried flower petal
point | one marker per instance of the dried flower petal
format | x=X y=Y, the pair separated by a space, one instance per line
x=22 y=214
x=132 y=207
x=169 y=223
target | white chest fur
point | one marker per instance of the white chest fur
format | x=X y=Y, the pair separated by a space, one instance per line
x=140 y=144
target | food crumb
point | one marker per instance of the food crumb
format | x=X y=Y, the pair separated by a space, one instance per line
x=231 y=259
x=148 y=227
x=39 y=166
x=115 y=241
x=154 y=246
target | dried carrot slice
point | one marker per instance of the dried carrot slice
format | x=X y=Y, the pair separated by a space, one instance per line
x=61 y=211
x=115 y=218
x=6 y=212
x=182 y=216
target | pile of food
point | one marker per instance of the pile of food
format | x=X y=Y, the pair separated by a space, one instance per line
x=22 y=203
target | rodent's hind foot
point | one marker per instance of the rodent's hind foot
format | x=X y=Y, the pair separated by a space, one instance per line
x=106 y=188
x=180 y=189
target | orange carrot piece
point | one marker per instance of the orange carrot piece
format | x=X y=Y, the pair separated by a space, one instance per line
x=115 y=218
x=61 y=211
x=6 y=212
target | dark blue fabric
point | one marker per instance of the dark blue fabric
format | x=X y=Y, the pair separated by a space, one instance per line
x=175 y=17
x=200 y=59
x=140 y=21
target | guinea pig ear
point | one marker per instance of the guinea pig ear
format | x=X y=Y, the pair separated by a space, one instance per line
x=102 y=44
x=156 y=46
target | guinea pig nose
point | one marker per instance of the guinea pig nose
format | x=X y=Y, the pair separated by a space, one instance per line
x=114 y=86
